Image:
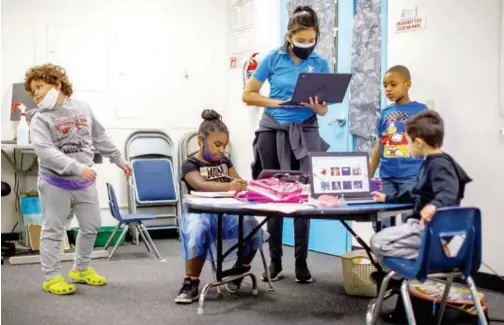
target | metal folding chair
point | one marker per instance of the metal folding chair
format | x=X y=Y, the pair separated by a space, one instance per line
x=153 y=188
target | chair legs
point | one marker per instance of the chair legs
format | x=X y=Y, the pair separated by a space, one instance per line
x=214 y=271
x=178 y=229
x=123 y=234
x=266 y=269
x=374 y=309
x=374 y=306
x=263 y=260
x=112 y=235
x=442 y=308
x=217 y=285
x=149 y=239
x=408 y=307
x=204 y=292
x=142 y=231
x=207 y=287
x=144 y=239
x=477 y=303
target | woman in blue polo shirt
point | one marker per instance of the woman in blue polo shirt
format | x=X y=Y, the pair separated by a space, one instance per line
x=286 y=134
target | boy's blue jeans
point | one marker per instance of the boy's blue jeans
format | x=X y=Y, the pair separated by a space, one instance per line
x=393 y=186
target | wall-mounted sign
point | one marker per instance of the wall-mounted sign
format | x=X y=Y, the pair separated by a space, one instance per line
x=409 y=21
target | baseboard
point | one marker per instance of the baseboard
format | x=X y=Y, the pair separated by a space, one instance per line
x=163 y=233
x=13 y=236
x=155 y=234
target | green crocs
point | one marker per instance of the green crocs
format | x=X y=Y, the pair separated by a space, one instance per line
x=88 y=276
x=58 y=286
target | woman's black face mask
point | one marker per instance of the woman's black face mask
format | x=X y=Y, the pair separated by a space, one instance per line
x=303 y=51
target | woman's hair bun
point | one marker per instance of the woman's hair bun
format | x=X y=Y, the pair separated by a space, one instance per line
x=304 y=9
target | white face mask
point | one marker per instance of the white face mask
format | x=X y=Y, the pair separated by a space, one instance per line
x=49 y=100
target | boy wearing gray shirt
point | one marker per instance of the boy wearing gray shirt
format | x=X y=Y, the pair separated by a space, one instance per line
x=63 y=133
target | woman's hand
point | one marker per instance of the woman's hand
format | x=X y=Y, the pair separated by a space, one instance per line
x=319 y=109
x=278 y=104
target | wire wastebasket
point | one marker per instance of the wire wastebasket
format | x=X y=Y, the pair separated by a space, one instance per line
x=357 y=269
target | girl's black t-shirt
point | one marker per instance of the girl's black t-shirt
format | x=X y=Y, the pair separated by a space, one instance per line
x=210 y=171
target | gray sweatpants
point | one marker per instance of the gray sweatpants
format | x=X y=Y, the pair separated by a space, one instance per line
x=399 y=241
x=58 y=206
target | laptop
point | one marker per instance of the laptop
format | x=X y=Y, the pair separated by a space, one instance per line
x=343 y=174
x=328 y=87
x=293 y=175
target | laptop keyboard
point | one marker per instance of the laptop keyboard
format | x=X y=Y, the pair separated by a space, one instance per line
x=360 y=200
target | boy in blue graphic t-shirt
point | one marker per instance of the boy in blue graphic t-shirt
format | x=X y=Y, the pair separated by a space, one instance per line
x=398 y=169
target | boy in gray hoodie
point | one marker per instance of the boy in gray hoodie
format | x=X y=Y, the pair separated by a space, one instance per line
x=63 y=133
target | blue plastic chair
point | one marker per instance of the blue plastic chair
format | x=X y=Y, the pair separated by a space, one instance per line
x=432 y=262
x=127 y=220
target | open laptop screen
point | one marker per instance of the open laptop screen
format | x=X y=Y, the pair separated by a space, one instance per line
x=337 y=173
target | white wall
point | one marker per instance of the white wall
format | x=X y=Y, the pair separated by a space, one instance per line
x=266 y=37
x=128 y=58
x=454 y=62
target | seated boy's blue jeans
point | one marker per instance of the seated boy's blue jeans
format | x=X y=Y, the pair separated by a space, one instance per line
x=393 y=186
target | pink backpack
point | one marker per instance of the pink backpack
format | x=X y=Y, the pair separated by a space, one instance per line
x=275 y=190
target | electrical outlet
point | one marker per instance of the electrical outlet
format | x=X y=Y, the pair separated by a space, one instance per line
x=430 y=104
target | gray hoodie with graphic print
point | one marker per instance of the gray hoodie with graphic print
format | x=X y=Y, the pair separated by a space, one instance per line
x=64 y=137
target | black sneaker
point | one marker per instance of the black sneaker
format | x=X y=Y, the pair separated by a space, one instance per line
x=303 y=275
x=189 y=292
x=234 y=286
x=275 y=269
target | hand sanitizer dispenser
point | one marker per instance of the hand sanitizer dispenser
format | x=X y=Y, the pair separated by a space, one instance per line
x=23 y=130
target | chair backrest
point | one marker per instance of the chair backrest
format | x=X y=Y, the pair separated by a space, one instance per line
x=189 y=146
x=148 y=143
x=154 y=181
x=114 y=207
x=446 y=225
